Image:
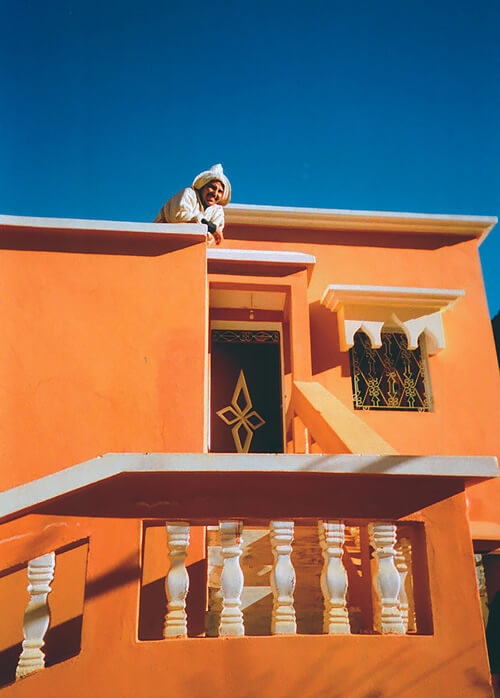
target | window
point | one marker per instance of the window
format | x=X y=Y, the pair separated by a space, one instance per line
x=392 y=377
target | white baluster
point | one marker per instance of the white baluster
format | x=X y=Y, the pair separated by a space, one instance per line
x=231 y=579
x=177 y=580
x=383 y=539
x=282 y=578
x=404 y=567
x=37 y=614
x=333 y=578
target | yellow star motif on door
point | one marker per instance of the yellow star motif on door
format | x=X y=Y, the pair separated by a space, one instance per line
x=241 y=417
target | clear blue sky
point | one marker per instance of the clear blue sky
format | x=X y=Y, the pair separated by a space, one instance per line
x=109 y=107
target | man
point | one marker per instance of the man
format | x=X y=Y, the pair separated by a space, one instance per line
x=202 y=202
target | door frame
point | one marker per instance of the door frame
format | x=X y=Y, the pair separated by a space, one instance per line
x=245 y=325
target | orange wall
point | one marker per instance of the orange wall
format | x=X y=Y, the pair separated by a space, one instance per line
x=107 y=352
x=101 y=351
x=451 y=662
x=464 y=376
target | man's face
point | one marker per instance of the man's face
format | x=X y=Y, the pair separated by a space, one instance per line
x=212 y=192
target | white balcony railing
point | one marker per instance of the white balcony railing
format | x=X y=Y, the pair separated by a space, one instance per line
x=230 y=598
x=383 y=544
x=392 y=581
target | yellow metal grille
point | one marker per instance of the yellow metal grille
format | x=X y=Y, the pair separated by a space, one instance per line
x=390 y=378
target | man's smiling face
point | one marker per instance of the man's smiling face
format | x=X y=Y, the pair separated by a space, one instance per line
x=212 y=192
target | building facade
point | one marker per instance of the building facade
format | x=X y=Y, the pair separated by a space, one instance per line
x=259 y=469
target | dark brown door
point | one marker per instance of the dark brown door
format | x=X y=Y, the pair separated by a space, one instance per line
x=246 y=406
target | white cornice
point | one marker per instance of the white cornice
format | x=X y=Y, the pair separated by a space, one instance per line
x=281 y=216
x=261 y=257
x=71 y=225
x=369 y=221
x=395 y=296
x=369 y=308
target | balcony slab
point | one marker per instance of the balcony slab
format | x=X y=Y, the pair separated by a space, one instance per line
x=207 y=487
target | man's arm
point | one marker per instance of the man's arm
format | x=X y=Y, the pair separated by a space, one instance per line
x=184 y=208
x=181 y=208
x=215 y=215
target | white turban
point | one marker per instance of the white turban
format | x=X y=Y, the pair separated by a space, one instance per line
x=214 y=172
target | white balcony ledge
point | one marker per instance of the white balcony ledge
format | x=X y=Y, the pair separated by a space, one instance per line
x=369 y=308
x=233 y=260
x=210 y=486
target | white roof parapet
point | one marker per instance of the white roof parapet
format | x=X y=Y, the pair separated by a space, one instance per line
x=369 y=308
x=261 y=257
x=370 y=221
x=281 y=216
x=186 y=230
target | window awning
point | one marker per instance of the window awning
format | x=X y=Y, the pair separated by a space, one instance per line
x=369 y=308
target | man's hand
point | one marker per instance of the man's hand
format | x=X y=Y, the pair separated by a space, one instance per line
x=213 y=231
x=211 y=226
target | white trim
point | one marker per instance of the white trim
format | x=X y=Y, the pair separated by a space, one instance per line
x=251 y=325
x=397 y=296
x=261 y=257
x=370 y=221
x=468 y=468
x=186 y=230
x=282 y=216
x=369 y=308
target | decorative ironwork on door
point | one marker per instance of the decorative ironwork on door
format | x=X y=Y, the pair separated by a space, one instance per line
x=240 y=417
x=246 y=399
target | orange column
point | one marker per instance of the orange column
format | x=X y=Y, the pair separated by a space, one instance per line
x=300 y=339
x=300 y=349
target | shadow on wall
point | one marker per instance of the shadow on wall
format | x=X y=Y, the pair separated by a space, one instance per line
x=124 y=573
x=325 y=342
x=63 y=640
x=65 y=601
x=234 y=231
x=93 y=242
x=495 y=324
x=61 y=643
x=153 y=605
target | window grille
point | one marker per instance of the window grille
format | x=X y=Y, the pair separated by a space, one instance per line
x=390 y=378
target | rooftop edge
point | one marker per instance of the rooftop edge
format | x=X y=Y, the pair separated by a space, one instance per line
x=192 y=231
x=369 y=221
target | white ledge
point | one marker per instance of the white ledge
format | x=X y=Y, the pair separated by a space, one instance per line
x=369 y=221
x=396 y=296
x=369 y=308
x=29 y=223
x=19 y=500
x=261 y=257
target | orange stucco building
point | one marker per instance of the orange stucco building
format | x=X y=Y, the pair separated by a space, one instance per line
x=300 y=425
